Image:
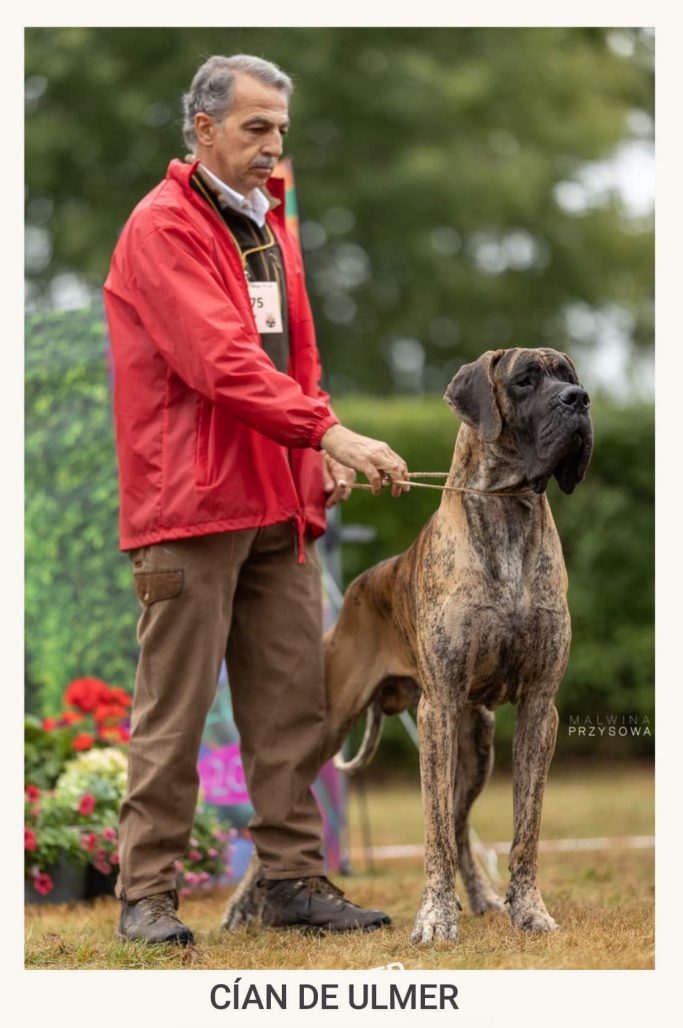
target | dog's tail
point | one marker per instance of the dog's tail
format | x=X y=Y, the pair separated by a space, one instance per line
x=373 y=732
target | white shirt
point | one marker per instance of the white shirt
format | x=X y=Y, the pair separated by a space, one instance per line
x=255 y=205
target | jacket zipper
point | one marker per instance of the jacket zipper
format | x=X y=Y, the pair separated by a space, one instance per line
x=299 y=519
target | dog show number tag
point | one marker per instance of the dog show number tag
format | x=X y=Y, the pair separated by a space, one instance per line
x=265 y=306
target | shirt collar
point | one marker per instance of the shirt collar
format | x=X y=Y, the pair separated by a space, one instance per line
x=255 y=205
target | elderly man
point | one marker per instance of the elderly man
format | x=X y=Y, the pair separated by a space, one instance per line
x=228 y=454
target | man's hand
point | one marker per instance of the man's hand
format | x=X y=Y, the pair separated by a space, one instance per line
x=338 y=480
x=370 y=456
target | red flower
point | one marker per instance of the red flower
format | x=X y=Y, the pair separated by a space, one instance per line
x=83 y=741
x=114 y=733
x=109 y=712
x=86 y=693
x=30 y=841
x=32 y=793
x=89 y=841
x=49 y=723
x=42 y=883
x=109 y=834
x=87 y=804
x=118 y=696
x=70 y=717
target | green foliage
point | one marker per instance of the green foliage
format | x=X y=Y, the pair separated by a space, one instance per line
x=45 y=753
x=80 y=609
x=427 y=161
x=607 y=532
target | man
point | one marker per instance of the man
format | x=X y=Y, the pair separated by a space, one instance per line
x=228 y=454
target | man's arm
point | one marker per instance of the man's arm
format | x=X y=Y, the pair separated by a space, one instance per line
x=183 y=305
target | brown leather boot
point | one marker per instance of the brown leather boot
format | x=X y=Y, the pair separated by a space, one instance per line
x=317 y=904
x=153 y=919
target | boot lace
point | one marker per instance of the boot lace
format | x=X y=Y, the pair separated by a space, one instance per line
x=160 y=905
x=316 y=884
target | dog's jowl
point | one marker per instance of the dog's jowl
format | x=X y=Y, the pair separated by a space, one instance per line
x=472 y=615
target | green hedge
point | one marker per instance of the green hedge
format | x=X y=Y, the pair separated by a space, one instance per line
x=80 y=609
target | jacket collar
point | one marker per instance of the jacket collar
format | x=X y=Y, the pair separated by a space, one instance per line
x=182 y=171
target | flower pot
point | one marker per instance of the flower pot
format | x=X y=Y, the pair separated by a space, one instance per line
x=68 y=884
x=98 y=884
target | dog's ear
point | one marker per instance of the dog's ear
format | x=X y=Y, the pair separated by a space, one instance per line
x=472 y=396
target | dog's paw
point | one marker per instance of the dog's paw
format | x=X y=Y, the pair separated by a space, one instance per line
x=486 y=902
x=528 y=914
x=243 y=910
x=437 y=920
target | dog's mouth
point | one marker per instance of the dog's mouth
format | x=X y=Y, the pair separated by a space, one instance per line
x=565 y=452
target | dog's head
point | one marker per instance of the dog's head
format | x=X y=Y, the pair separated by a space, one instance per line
x=534 y=400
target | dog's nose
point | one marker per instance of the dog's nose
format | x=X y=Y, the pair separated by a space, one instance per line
x=576 y=397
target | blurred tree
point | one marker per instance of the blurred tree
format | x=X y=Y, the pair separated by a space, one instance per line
x=441 y=174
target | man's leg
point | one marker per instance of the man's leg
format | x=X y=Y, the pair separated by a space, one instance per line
x=185 y=589
x=276 y=671
x=276 y=674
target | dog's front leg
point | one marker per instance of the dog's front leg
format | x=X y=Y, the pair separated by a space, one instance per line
x=437 y=917
x=532 y=750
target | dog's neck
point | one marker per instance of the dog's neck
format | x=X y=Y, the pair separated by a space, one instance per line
x=486 y=467
x=509 y=529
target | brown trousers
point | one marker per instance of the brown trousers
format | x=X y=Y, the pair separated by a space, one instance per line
x=240 y=595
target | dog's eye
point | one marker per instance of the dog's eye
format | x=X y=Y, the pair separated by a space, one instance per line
x=525 y=382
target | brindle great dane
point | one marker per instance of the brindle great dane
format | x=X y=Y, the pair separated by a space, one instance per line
x=472 y=615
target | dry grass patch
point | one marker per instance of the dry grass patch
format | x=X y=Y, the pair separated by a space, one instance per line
x=603 y=901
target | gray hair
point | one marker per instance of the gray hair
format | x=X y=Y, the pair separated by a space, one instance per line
x=212 y=87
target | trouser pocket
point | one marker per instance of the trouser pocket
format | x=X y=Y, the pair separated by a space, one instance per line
x=152 y=586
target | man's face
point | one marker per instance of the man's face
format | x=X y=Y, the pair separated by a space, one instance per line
x=243 y=149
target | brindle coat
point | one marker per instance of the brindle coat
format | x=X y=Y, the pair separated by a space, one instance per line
x=475 y=613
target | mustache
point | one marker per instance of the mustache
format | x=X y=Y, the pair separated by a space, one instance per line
x=263 y=164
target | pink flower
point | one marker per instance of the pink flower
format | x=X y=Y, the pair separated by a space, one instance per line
x=89 y=841
x=194 y=843
x=109 y=834
x=42 y=883
x=184 y=892
x=87 y=804
x=30 y=841
x=191 y=876
x=178 y=865
x=212 y=853
x=194 y=855
x=32 y=793
x=113 y=858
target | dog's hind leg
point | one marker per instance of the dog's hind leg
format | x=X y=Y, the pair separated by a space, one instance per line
x=244 y=906
x=475 y=760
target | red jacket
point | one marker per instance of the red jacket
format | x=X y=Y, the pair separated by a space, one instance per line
x=210 y=436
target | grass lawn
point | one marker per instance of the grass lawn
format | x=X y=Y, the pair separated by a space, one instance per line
x=603 y=901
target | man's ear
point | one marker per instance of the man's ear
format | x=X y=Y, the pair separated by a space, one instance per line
x=472 y=396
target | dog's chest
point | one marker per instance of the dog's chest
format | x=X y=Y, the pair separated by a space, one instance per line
x=514 y=650
x=496 y=643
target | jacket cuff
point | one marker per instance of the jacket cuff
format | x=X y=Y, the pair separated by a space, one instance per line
x=321 y=427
